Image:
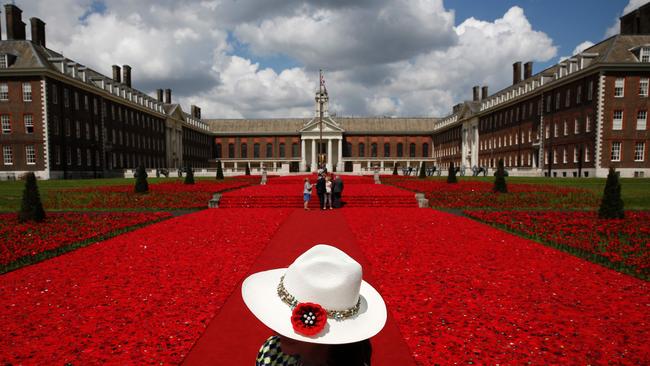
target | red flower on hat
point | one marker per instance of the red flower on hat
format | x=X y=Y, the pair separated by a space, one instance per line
x=308 y=318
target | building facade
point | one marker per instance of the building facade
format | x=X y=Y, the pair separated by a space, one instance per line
x=60 y=119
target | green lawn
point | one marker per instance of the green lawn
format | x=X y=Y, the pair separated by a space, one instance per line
x=11 y=191
x=635 y=191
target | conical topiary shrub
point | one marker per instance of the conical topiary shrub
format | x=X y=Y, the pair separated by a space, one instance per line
x=611 y=207
x=423 y=171
x=451 y=176
x=189 y=175
x=500 y=179
x=219 y=170
x=395 y=169
x=248 y=169
x=31 y=208
x=141 y=184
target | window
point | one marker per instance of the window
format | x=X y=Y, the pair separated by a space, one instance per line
x=67 y=127
x=619 y=87
x=639 y=149
x=554 y=156
x=362 y=150
x=256 y=150
x=78 y=157
x=282 y=152
x=556 y=128
x=643 y=87
x=567 y=99
x=30 y=154
x=373 y=150
x=55 y=94
x=27 y=92
x=400 y=150
x=575 y=154
x=579 y=94
x=576 y=126
x=7 y=154
x=57 y=154
x=557 y=101
x=66 y=97
x=412 y=150
x=616 y=151
x=641 y=118
x=386 y=149
x=4 y=61
x=29 y=123
x=566 y=128
x=55 y=125
x=243 y=151
x=644 y=54
x=425 y=150
x=89 y=158
x=587 y=153
x=617 y=120
x=548 y=103
x=587 y=124
x=86 y=104
x=269 y=150
x=87 y=131
x=295 y=152
x=6 y=124
x=548 y=131
x=95 y=106
x=77 y=129
x=4 y=92
x=564 y=157
x=76 y=101
x=590 y=90
x=231 y=151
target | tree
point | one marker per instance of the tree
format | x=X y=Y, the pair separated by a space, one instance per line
x=189 y=175
x=500 y=179
x=141 y=184
x=219 y=170
x=423 y=171
x=395 y=169
x=31 y=208
x=248 y=169
x=451 y=176
x=611 y=207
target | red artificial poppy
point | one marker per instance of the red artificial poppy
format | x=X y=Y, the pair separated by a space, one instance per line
x=308 y=318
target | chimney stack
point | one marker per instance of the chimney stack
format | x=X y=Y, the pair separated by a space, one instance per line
x=159 y=95
x=15 y=24
x=116 y=74
x=126 y=78
x=168 y=96
x=484 y=92
x=38 y=31
x=475 y=90
x=516 y=72
x=528 y=70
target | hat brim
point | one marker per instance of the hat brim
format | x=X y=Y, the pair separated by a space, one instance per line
x=259 y=292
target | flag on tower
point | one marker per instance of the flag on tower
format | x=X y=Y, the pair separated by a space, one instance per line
x=322 y=82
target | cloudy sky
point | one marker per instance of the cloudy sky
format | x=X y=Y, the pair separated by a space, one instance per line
x=260 y=58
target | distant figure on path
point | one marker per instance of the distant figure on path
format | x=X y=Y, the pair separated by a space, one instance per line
x=306 y=193
x=337 y=191
x=320 y=191
x=321 y=310
x=328 y=192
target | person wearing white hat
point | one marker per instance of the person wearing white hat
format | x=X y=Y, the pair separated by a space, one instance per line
x=320 y=307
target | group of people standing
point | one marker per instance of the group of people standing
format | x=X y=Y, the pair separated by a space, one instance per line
x=329 y=189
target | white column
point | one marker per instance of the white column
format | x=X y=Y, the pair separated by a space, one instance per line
x=303 y=156
x=329 y=155
x=313 y=156
x=339 y=161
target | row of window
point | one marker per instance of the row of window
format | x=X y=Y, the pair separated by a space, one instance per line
x=26 y=92
x=361 y=149
x=568 y=96
x=28 y=123
x=641 y=120
x=586 y=157
x=506 y=140
x=8 y=155
x=639 y=151
x=565 y=124
x=525 y=160
x=619 y=87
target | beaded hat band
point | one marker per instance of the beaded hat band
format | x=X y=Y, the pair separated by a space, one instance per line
x=290 y=300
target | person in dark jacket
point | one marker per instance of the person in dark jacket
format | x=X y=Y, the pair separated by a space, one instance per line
x=337 y=190
x=320 y=191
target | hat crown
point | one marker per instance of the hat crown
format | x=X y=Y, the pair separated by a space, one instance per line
x=325 y=275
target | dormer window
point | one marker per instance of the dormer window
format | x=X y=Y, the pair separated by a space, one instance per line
x=4 y=62
x=644 y=54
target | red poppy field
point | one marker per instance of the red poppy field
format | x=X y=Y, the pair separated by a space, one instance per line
x=473 y=194
x=161 y=196
x=140 y=298
x=25 y=240
x=465 y=293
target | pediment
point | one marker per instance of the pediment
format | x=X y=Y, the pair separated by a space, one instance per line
x=329 y=125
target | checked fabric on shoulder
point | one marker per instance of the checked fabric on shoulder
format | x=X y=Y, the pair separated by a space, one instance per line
x=270 y=354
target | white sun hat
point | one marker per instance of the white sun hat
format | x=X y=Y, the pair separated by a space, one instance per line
x=320 y=298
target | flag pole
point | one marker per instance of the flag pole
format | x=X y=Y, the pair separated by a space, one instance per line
x=320 y=120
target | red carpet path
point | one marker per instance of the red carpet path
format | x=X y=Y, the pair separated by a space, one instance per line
x=234 y=335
